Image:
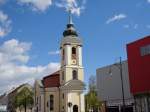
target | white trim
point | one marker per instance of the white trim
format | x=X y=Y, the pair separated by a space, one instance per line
x=79 y=49
x=82 y=102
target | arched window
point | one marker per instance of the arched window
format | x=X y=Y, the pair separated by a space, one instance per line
x=63 y=54
x=63 y=96
x=40 y=104
x=73 y=53
x=73 y=50
x=51 y=102
x=74 y=74
x=75 y=108
x=63 y=75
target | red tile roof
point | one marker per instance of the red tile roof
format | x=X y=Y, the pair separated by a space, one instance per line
x=52 y=80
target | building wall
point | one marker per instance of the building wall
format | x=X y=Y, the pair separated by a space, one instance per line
x=39 y=97
x=75 y=97
x=139 y=72
x=12 y=95
x=139 y=65
x=68 y=65
x=109 y=83
x=68 y=71
x=55 y=92
x=3 y=102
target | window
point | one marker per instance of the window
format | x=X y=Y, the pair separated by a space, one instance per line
x=73 y=53
x=63 y=109
x=37 y=100
x=40 y=103
x=73 y=50
x=63 y=75
x=51 y=102
x=145 y=50
x=47 y=104
x=74 y=74
x=75 y=108
x=63 y=54
x=63 y=96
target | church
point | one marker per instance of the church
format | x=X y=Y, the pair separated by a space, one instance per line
x=63 y=91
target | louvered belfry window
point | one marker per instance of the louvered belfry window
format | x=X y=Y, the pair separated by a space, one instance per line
x=73 y=53
x=74 y=74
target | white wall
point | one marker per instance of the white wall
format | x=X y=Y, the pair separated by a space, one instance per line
x=109 y=85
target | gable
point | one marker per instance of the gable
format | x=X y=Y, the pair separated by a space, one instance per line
x=74 y=85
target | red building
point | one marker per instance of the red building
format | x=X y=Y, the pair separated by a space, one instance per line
x=138 y=53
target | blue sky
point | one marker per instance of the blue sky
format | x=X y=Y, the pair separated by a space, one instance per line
x=31 y=31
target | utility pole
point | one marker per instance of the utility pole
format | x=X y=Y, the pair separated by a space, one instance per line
x=122 y=85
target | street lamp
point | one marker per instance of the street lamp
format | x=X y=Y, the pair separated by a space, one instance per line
x=119 y=65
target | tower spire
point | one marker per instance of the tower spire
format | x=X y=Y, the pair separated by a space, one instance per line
x=70 y=30
x=70 y=17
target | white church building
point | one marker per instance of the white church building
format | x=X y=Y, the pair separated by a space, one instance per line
x=63 y=91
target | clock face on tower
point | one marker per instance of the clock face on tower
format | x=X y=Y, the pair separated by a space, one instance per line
x=74 y=62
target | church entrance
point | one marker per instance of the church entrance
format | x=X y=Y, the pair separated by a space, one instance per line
x=75 y=108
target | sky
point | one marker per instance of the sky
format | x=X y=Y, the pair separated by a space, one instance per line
x=31 y=32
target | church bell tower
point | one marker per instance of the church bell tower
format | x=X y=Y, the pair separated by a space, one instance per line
x=72 y=73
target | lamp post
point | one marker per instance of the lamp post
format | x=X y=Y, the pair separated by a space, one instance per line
x=119 y=65
x=122 y=85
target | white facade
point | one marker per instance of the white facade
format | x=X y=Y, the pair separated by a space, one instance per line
x=72 y=73
x=68 y=95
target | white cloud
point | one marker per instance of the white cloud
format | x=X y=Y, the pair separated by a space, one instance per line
x=13 y=50
x=132 y=26
x=76 y=6
x=5 y=22
x=2 y=1
x=126 y=26
x=54 y=52
x=14 y=56
x=148 y=26
x=3 y=17
x=38 y=5
x=116 y=18
x=13 y=74
x=73 y=5
x=135 y=26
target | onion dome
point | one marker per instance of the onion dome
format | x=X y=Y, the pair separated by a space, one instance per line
x=70 y=34
x=70 y=30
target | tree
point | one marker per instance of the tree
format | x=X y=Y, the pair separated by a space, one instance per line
x=92 y=102
x=24 y=99
x=92 y=84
